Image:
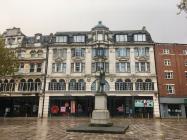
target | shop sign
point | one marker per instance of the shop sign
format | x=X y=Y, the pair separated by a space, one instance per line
x=143 y=103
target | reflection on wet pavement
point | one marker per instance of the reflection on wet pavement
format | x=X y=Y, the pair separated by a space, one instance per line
x=55 y=129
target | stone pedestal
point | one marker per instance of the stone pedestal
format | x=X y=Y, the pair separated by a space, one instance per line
x=101 y=115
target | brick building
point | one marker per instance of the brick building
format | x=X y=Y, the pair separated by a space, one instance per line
x=171 y=66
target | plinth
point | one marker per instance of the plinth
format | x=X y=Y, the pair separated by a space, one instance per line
x=100 y=115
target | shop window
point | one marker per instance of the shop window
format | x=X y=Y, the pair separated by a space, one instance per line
x=174 y=110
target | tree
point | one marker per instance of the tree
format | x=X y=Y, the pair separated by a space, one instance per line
x=8 y=60
x=182 y=6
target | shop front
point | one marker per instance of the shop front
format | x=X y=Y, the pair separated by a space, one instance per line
x=19 y=106
x=132 y=106
x=71 y=106
x=173 y=107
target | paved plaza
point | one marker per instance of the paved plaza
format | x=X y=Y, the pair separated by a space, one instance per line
x=55 y=129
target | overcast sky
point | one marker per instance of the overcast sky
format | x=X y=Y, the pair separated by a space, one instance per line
x=49 y=16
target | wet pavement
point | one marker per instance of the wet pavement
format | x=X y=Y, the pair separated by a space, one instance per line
x=55 y=129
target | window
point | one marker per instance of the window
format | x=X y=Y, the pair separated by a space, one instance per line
x=142 y=66
x=61 y=39
x=59 y=53
x=123 y=52
x=33 y=54
x=21 y=67
x=32 y=67
x=77 y=67
x=139 y=37
x=97 y=66
x=38 y=67
x=166 y=51
x=185 y=52
x=170 y=89
x=21 y=54
x=59 y=67
x=123 y=67
x=185 y=74
x=168 y=75
x=11 y=41
x=99 y=52
x=100 y=37
x=54 y=85
x=79 y=38
x=77 y=52
x=167 y=62
x=185 y=63
x=138 y=52
x=121 y=38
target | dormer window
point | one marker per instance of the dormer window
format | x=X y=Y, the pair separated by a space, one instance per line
x=37 y=37
x=79 y=38
x=61 y=39
x=139 y=37
x=121 y=38
x=100 y=37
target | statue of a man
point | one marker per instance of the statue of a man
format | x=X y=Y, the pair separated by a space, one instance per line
x=101 y=81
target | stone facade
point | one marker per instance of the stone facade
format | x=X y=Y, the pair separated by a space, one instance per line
x=74 y=61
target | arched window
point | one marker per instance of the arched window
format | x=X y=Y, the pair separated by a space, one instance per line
x=33 y=53
x=30 y=85
x=72 y=84
x=139 y=84
x=37 y=84
x=12 y=85
x=62 y=84
x=148 y=85
x=6 y=85
x=40 y=53
x=53 y=85
x=94 y=86
x=22 y=85
x=81 y=84
x=128 y=84
x=119 y=85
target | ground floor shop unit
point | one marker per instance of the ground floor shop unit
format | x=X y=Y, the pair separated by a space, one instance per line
x=173 y=107
x=19 y=106
x=125 y=106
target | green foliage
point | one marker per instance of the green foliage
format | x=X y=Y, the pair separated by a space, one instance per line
x=8 y=60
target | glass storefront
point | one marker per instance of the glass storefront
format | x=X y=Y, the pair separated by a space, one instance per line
x=19 y=106
x=71 y=106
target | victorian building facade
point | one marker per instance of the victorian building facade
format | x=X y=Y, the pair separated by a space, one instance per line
x=171 y=62
x=74 y=59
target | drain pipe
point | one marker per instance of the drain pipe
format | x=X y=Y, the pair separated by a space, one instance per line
x=46 y=68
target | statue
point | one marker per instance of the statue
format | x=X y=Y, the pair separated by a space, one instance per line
x=101 y=81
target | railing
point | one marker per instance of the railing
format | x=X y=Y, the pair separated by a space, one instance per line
x=144 y=86
x=7 y=87
x=29 y=86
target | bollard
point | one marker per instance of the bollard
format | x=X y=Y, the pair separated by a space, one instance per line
x=148 y=115
x=178 y=116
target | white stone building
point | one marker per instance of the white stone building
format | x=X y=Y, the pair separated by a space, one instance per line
x=74 y=60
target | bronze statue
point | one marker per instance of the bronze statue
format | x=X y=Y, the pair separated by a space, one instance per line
x=101 y=81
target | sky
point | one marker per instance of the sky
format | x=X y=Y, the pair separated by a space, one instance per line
x=50 y=16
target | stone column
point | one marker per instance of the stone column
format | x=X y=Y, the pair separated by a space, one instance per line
x=156 y=106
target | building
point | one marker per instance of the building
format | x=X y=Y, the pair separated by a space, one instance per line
x=171 y=65
x=19 y=95
x=74 y=61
